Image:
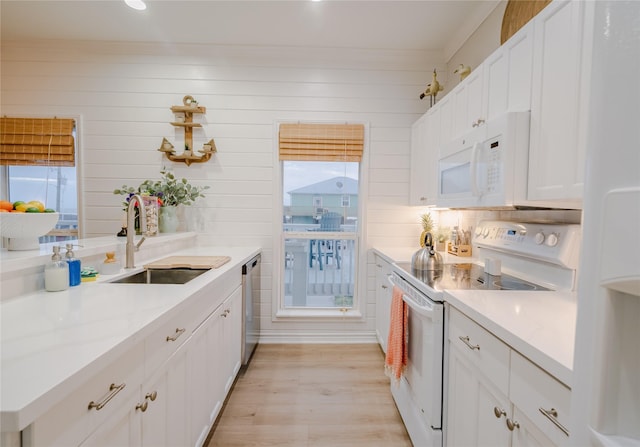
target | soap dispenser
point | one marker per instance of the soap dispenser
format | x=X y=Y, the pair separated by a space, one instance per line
x=56 y=273
x=74 y=266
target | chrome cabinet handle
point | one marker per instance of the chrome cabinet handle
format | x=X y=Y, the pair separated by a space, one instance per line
x=178 y=333
x=143 y=406
x=151 y=396
x=465 y=340
x=512 y=425
x=113 y=390
x=552 y=415
x=499 y=412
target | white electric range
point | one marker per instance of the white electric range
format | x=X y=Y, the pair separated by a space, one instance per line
x=526 y=257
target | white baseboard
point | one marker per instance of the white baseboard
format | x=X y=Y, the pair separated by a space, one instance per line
x=318 y=337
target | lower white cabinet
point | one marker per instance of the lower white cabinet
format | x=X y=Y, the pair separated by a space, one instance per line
x=383 y=300
x=214 y=361
x=165 y=391
x=496 y=396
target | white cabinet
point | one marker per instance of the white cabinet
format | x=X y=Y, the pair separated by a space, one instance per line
x=507 y=76
x=424 y=158
x=214 y=361
x=495 y=396
x=468 y=103
x=558 y=106
x=383 y=301
x=166 y=390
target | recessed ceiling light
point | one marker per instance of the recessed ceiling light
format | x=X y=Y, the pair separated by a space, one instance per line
x=136 y=4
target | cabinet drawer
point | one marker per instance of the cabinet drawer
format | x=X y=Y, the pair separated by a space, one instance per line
x=481 y=348
x=160 y=345
x=72 y=420
x=534 y=391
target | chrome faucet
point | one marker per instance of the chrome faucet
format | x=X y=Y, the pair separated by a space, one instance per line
x=131 y=212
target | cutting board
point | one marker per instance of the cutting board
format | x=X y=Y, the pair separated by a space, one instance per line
x=192 y=262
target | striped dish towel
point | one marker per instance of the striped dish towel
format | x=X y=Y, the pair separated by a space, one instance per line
x=396 y=358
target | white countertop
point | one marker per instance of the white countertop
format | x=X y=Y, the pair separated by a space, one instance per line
x=51 y=341
x=539 y=325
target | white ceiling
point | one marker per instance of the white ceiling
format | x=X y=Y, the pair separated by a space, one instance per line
x=440 y=25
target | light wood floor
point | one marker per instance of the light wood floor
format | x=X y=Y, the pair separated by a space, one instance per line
x=310 y=396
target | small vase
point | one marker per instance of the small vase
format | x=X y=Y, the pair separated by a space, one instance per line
x=168 y=219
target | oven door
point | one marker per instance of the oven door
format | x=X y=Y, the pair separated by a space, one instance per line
x=418 y=396
x=425 y=354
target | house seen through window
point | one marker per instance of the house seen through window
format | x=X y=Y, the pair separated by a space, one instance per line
x=320 y=229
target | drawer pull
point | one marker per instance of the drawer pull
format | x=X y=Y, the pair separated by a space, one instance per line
x=465 y=340
x=176 y=335
x=225 y=313
x=552 y=415
x=512 y=425
x=113 y=390
x=143 y=406
x=499 y=412
x=151 y=396
x=384 y=287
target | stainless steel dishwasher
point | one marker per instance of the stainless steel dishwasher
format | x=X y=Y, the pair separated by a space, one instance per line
x=250 y=307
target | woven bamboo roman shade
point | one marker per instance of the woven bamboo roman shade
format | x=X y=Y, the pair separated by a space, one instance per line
x=321 y=142
x=37 y=141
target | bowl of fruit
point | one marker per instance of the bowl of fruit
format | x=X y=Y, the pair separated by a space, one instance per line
x=24 y=222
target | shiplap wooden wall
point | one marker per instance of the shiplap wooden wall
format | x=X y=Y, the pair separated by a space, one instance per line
x=123 y=92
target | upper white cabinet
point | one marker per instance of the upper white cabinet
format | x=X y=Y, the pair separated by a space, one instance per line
x=424 y=157
x=507 y=76
x=558 y=109
x=467 y=98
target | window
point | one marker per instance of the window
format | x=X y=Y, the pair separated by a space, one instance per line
x=38 y=158
x=321 y=215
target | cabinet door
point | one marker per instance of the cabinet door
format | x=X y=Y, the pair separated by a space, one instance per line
x=121 y=429
x=526 y=434
x=419 y=161
x=556 y=159
x=164 y=421
x=383 y=301
x=232 y=338
x=472 y=406
x=467 y=97
x=206 y=379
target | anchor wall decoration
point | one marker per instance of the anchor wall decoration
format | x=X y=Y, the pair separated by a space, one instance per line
x=189 y=107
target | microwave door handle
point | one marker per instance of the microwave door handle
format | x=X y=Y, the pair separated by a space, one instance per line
x=474 y=169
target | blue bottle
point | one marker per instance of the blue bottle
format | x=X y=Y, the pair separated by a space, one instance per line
x=74 y=266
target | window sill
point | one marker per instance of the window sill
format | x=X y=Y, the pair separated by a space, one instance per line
x=318 y=314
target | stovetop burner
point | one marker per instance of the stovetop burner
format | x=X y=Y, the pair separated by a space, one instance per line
x=467 y=276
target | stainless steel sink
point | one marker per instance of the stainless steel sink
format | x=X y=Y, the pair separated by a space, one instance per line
x=162 y=276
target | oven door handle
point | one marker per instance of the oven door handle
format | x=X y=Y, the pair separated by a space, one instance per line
x=428 y=311
x=425 y=311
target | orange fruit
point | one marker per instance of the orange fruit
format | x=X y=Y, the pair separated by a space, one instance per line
x=2 y=210
x=6 y=205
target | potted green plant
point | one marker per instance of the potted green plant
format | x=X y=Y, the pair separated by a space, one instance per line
x=170 y=192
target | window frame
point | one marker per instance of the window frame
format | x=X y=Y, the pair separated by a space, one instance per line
x=358 y=311
x=4 y=170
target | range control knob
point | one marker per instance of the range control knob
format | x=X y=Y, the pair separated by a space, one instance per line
x=485 y=233
x=539 y=238
x=478 y=231
x=552 y=240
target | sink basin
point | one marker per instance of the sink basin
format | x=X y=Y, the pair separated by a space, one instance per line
x=162 y=276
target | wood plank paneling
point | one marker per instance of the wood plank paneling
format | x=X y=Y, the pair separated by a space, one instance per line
x=123 y=92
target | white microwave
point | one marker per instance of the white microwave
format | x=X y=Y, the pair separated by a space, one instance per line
x=487 y=167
